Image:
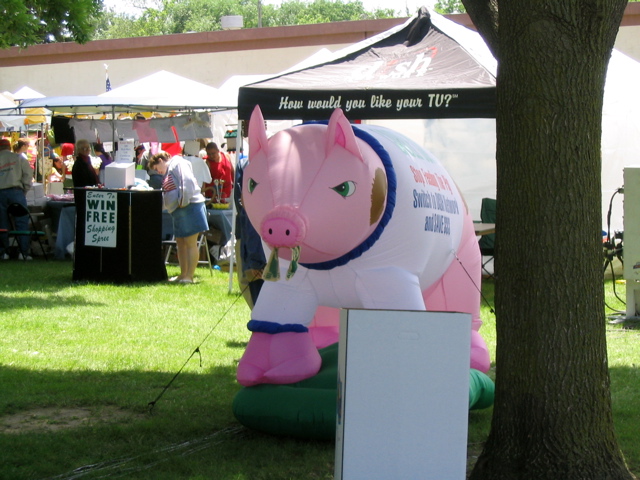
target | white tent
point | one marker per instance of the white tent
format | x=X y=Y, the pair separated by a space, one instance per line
x=14 y=118
x=99 y=105
x=26 y=92
x=9 y=117
x=162 y=91
x=163 y=84
x=35 y=116
x=472 y=163
x=171 y=87
x=228 y=92
x=620 y=131
x=466 y=146
x=229 y=89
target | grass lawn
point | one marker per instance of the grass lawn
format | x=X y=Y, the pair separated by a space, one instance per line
x=80 y=363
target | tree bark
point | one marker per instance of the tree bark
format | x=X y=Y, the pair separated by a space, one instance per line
x=552 y=414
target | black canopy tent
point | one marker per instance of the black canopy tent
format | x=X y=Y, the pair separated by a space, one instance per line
x=429 y=67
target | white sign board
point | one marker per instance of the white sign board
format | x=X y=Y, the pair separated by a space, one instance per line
x=126 y=151
x=101 y=219
x=403 y=395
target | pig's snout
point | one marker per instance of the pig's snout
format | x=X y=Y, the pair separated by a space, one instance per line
x=283 y=227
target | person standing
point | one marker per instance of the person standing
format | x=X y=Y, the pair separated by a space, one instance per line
x=16 y=178
x=21 y=147
x=185 y=203
x=101 y=153
x=141 y=157
x=219 y=190
x=56 y=174
x=249 y=252
x=66 y=152
x=83 y=173
x=105 y=158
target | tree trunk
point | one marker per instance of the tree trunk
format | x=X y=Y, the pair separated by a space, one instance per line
x=552 y=415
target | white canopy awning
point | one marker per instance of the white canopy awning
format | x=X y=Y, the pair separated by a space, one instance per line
x=96 y=104
x=10 y=119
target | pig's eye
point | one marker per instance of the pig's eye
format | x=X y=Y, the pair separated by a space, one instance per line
x=252 y=185
x=346 y=189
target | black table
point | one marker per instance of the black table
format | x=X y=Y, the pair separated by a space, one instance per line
x=137 y=252
x=53 y=210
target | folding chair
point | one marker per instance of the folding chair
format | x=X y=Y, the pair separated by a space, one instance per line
x=172 y=247
x=487 y=242
x=15 y=211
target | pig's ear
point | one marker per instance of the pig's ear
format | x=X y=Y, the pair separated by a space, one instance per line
x=339 y=132
x=257 y=132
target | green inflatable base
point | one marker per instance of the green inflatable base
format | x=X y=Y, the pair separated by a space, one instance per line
x=307 y=409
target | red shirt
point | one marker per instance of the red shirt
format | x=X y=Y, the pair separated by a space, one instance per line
x=221 y=170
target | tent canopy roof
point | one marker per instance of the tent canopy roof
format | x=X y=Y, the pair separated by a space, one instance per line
x=8 y=114
x=159 y=92
x=165 y=84
x=91 y=104
x=429 y=67
x=26 y=92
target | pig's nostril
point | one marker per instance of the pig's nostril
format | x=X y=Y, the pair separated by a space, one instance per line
x=287 y=233
x=270 y=231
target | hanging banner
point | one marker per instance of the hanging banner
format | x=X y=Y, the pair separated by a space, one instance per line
x=101 y=219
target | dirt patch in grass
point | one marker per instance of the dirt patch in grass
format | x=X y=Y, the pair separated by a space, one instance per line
x=53 y=419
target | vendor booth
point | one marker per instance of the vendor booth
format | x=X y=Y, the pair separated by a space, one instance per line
x=115 y=233
x=434 y=81
x=119 y=230
x=429 y=67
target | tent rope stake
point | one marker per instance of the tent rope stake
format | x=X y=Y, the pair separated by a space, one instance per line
x=152 y=404
x=474 y=283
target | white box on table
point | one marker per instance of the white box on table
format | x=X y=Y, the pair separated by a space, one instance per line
x=35 y=194
x=119 y=175
x=56 y=188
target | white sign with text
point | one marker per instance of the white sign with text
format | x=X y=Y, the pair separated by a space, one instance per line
x=126 y=150
x=101 y=219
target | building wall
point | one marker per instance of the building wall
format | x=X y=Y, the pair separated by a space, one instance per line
x=208 y=57
x=88 y=77
x=628 y=41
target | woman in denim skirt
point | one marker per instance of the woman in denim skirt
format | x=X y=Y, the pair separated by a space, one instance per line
x=185 y=203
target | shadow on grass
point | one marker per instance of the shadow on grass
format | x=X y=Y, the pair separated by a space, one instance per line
x=46 y=302
x=191 y=432
x=235 y=344
x=195 y=405
x=88 y=424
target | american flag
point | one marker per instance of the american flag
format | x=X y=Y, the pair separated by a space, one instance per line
x=106 y=71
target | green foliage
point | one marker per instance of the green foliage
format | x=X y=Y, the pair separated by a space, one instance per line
x=182 y=16
x=30 y=22
x=196 y=15
x=127 y=26
x=297 y=12
x=449 y=6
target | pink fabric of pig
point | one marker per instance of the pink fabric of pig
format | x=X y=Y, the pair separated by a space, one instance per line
x=354 y=217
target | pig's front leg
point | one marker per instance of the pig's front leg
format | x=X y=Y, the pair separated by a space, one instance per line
x=389 y=288
x=281 y=349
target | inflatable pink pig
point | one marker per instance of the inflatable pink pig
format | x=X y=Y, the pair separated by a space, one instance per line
x=354 y=217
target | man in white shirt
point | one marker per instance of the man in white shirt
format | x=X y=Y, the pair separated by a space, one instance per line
x=16 y=177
